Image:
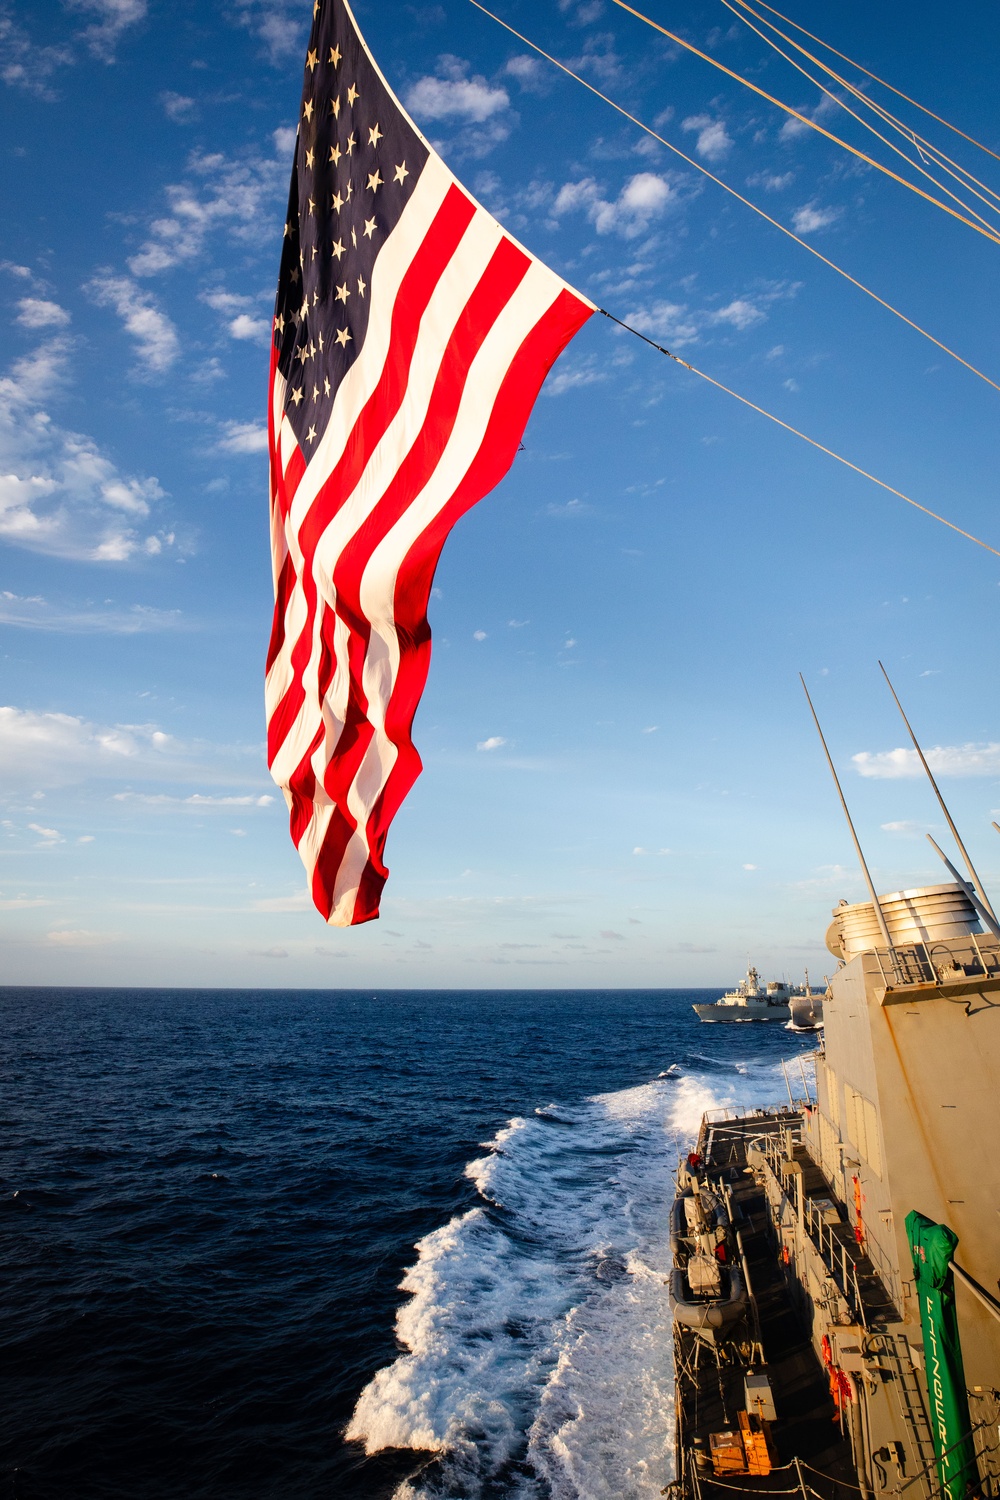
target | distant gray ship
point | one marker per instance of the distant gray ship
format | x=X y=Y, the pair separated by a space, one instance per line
x=752 y=1001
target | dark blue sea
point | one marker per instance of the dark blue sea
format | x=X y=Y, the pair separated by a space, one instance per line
x=334 y=1244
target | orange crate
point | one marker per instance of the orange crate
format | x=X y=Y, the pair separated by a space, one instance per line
x=727 y=1451
x=756 y=1444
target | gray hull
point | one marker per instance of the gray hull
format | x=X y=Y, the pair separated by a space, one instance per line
x=807 y=1012
x=719 y=1012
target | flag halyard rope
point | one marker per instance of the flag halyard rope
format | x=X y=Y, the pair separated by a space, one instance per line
x=796 y=432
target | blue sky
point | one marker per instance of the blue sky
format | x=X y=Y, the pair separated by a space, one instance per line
x=622 y=785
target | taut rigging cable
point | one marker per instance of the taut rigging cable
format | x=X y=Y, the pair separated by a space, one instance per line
x=795 y=114
x=747 y=202
x=741 y=10
x=744 y=400
x=876 y=79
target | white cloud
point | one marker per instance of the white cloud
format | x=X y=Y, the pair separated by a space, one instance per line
x=669 y=321
x=113 y=18
x=278 y=23
x=48 y=837
x=36 y=613
x=904 y=826
x=793 y=129
x=452 y=95
x=713 y=143
x=42 y=749
x=58 y=493
x=157 y=344
x=178 y=107
x=479 y=635
x=35 y=312
x=529 y=72
x=751 y=867
x=245 y=327
x=244 y=437
x=478 y=111
x=741 y=313
x=79 y=938
x=771 y=182
x=810 y=217
x=26 y=65
x=196 y=800
x=641 y=851
x=644 y=197
x=944 y=760
x=240 y=196
x=495 y=742
x=569 y=375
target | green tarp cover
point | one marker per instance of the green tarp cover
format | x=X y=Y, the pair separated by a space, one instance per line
x=933 y=1248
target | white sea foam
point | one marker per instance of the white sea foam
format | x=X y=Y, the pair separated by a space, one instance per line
x=537 y=1334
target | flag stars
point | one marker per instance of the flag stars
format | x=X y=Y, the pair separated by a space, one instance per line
x=400 y=175
x=311 y=57
x=338 y=248
x=335 y=56
x=354 y=238
x=312 y=206
x=374 y=135
x=361 y=286
x=338 y=202
x=335 y=107
x=375 y=180
x=352 y=93
x=369 y=228
x=297 y=397
x=321 y=343
x=335 y=154
x=307 y=109
x=326 y=386
x=311 y=435
x=343 y=337
x=342 y=293
x=351 y=143
x=310 y=158
x=315 y=394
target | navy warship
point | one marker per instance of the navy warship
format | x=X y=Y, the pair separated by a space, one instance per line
x=836 y=1257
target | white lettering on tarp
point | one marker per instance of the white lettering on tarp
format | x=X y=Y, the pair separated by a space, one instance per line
x=936 y=1384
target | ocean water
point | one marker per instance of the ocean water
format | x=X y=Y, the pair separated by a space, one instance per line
x=340 y=1244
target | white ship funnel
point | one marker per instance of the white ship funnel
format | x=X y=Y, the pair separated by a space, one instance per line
x=929 y=914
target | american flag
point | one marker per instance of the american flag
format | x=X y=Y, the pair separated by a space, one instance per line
x=411 y=338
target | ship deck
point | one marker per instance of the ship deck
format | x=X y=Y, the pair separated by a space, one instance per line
x=812 y=1451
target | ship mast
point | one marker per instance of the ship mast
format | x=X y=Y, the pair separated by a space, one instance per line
x=977 y=883
x=879 y=913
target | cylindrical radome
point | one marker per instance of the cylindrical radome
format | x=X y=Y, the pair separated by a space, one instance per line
x=930 y=914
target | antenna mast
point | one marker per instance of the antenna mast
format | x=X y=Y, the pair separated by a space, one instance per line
x=980 y=908
x=977 y=883
x=879 y=913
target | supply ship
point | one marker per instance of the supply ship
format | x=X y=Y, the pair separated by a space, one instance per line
x=836 y=1258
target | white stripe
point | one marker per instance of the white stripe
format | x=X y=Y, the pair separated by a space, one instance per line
x=445 y=306
x=358 y=385
x=355 y=391
x=532 y=299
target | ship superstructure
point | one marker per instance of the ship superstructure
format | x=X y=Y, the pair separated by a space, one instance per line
x=862 y=1226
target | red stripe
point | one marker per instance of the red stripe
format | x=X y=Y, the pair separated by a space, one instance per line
x=501 y=278
x=416 y=288
x=509 y=417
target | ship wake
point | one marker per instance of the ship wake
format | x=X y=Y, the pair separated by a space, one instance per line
x=537 y=1339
